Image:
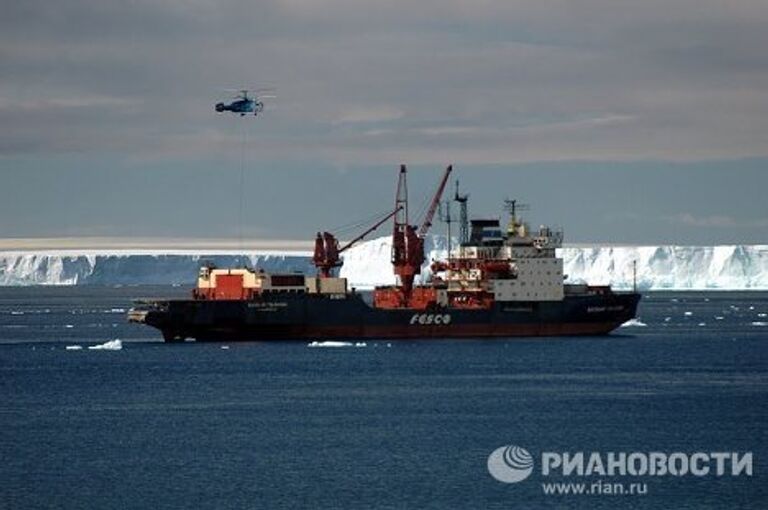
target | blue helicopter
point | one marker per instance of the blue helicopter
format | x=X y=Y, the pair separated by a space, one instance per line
x=244 y=104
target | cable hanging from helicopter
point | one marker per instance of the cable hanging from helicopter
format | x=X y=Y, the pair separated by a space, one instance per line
x=244 y=104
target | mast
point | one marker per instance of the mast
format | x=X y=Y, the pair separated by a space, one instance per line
x=407 y=241
x=401 y=198
x=404 y=239
x=463 y=219
x=634 y=276
x=512 y=206
x=445 y=215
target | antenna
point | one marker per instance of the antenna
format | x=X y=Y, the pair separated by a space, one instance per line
x=515 y=227
x=634 y=276
x=444 y=212
x=463 y=220
x=512 y=206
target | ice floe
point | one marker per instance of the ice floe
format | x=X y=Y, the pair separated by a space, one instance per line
x=112 y=345
x=332 y=343
x=634 y=323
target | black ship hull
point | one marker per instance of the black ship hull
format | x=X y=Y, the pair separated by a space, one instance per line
x=310 y=317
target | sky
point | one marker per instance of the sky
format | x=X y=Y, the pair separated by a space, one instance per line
x=623 y=122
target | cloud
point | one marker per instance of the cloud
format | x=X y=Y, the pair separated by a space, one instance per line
x=717 y=221
x=54 y=105
x=362 y=114
x=482 y=82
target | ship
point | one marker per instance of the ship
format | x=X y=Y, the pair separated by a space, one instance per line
x=500 y=280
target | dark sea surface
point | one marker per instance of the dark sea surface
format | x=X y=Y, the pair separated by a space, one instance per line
x=387 y=425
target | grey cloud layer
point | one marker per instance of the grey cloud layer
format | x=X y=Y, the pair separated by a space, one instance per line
x=473 y=82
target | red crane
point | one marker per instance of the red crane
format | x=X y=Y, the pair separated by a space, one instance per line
x=407 y=242
x=327 y=250
x=435 y=202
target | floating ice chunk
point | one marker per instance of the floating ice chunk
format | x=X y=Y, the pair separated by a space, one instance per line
x=69 y=326
x=688 y=314
x=667 y=319
x=329 y=343
x=634 y=323
x=115 y=310
x=360 y=344
x=74 y=347
x=760 y=323
x=762 y=315
x=225 y=347
x=702 y=324
x=16 y=312
x=112 y=345
x=719 y=317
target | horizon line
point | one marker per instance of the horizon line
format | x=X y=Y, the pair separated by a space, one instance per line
x=225 y=245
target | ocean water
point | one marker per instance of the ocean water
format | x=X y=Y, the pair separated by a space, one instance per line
x=384 y=425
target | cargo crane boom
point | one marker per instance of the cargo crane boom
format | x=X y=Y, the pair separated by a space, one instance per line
x=327 y=251
x=371 y=229
x=435 y=202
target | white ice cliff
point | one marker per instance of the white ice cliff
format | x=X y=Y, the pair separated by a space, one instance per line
x=732 y=267
x=103 y=267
